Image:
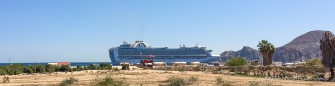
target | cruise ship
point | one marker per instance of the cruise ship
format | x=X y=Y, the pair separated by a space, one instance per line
x=134 y=52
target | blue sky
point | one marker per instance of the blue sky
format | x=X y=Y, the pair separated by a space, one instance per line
x=84 y=30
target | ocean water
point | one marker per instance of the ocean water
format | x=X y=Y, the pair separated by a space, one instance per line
x=71 y=63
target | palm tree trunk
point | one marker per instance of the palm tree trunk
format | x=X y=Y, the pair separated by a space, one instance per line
x=331 y=78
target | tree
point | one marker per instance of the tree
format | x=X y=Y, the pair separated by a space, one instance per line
x=327 y=46
x=27 y=70
x=125 y=67
x=238 y=61
x=50 y=68
x=79 y=68
x=65 y=68
x=314 y=62
x=267 y=50
x=40 y=68
x=92 y=67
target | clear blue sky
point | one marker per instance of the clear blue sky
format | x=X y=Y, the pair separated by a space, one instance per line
x=84 y=30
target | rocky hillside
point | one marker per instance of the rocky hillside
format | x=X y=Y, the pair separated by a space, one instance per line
x=246 y=51
x=301 y=48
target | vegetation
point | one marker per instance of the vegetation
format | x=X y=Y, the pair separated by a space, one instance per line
x=15 y=69
x=314 y=62
x=176 y=81
x=238 y=61
x=68 y=81
x=254 y=83
x=109 y=81
x=327 y=47
x=125 y=67
x=219 y=80
x=192 y=79
x=267 y=50
x=5 y=79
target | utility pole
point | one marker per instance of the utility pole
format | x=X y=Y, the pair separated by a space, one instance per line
x=9 y=61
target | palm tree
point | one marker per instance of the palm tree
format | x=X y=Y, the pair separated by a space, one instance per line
x=327 y=46
x=267 y=50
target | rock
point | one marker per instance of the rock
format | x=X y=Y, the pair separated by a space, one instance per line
x=247 y=52
x=303 y=47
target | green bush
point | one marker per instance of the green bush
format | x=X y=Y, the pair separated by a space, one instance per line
x=125 y=67
x=105 y=66
x=176 y=81
x=192 y=79
x=5 y=79
x=40 y=68
x=79 y=68
x=238 y=61
x=50 y=68
x=314 y=62
x=116 y=69
x=254 y=83
x=92 y=67
x=109 y=81
x=28 y=70
x=14 y=69
x=219 y=80
x=68 y=81
x=3 y=70
x=65 y=68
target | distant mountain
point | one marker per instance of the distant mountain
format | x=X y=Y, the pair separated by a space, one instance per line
x=303 y=47
x=246 y=51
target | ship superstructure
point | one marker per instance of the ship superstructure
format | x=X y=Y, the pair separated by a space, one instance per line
x=134 y=52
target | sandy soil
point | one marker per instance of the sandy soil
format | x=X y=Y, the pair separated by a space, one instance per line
x=147 y=78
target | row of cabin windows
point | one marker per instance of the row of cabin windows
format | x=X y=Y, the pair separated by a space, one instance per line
x=178 y=50
x=160 y=53
x=124 y=57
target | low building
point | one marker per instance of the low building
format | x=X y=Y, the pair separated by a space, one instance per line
x=254 y=63
x=277 y=63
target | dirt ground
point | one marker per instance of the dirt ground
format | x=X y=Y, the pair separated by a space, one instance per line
x=139 y=77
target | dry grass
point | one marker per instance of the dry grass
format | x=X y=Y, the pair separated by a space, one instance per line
x=140 y=77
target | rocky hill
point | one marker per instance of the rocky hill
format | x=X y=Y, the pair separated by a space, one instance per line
x=246 y=51
x=303 y=47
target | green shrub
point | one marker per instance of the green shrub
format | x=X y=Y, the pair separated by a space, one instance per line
x=219 y=80
x=254 y=83
x=105 y=66
x=28 y=70
x=238 y=61
x=92 y=67
x=176 y=81
x=65 y=68
x=50 y=68
x=116 y=69
x=314 y=62
x=68 y=81
x=14 y=69
x=109 y=81
x=5 y=79
x=79 y=68
x=125 y=67
x=40 y=68
x=192 y=79
x=182 y=69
